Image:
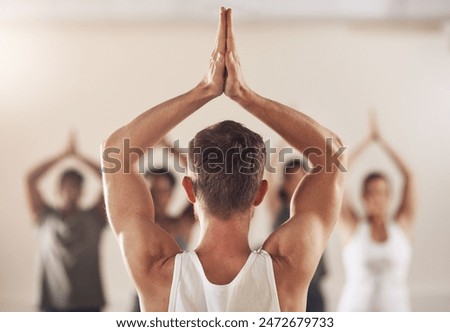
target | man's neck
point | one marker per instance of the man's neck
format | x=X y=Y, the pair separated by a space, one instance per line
x=219 y=237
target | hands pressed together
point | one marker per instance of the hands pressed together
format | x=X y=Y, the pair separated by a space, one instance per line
x=374 y=133
x=224 y=74
x=71 y=149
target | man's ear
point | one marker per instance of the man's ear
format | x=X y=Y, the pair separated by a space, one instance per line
x=189 y=189
x=261 y=192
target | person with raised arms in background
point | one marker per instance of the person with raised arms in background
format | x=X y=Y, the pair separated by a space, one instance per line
x=377 y=244
x=68 y=238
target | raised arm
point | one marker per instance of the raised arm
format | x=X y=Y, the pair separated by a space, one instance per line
x=349 y=217
x=405 y=214
x=317 y=201
x=146 y=246
x=35 y=200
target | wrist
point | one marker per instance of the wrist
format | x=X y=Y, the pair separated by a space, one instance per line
x=380 y=141
x=207 y=91
x=244 y=96
x=61 y=156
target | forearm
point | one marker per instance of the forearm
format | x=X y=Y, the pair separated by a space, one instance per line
x=43 y=168
x=404 y=169
x=147 y=129
x=35 y=200
x=407 y=208
x=298 y=129
x=348 y=213
x=358 y=150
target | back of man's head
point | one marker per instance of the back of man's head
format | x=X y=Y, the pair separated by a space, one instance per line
x=227 y=163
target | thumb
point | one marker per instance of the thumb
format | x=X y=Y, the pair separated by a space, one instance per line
x=231 y=55
x=230 y=60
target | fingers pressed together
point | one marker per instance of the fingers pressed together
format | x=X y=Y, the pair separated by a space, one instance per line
x=225 y=42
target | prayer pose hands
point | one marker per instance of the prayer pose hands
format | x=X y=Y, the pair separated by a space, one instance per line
x=224 y=74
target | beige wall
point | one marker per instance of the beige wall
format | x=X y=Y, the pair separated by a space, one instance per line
x=94 y=77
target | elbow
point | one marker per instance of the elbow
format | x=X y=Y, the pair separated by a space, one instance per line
x=113 y=140
x=31 y=179
x=117 y=155
x=408 y=174
x=336 y=162
x=337 y=156
x=113 y=144
x=338 y=142
x=110 y=154
x=107 y=145
x=343 y=157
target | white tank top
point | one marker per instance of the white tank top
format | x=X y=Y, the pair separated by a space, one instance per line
x=376 y=272
x=253 y=288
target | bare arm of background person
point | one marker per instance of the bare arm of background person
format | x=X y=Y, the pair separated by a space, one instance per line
x=36 y=201
x=405 y=215
x=297 y=245
x=147 y=249
x=349 y=217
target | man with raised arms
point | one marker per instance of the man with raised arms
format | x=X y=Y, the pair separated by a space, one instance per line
x=224 y=183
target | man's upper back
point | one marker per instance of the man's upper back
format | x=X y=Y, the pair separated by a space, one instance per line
x=252 y=289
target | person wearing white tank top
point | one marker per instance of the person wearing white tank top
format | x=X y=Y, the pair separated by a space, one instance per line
x=376 y=272
x=224 y=182
x=377 y=248
x=253 y=287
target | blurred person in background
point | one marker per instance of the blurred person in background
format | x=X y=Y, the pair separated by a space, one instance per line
x=68 y=238
x=377 y=245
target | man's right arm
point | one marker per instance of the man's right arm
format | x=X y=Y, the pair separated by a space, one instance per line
x=315 y=206
x=316 y=202
x=298 y=244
